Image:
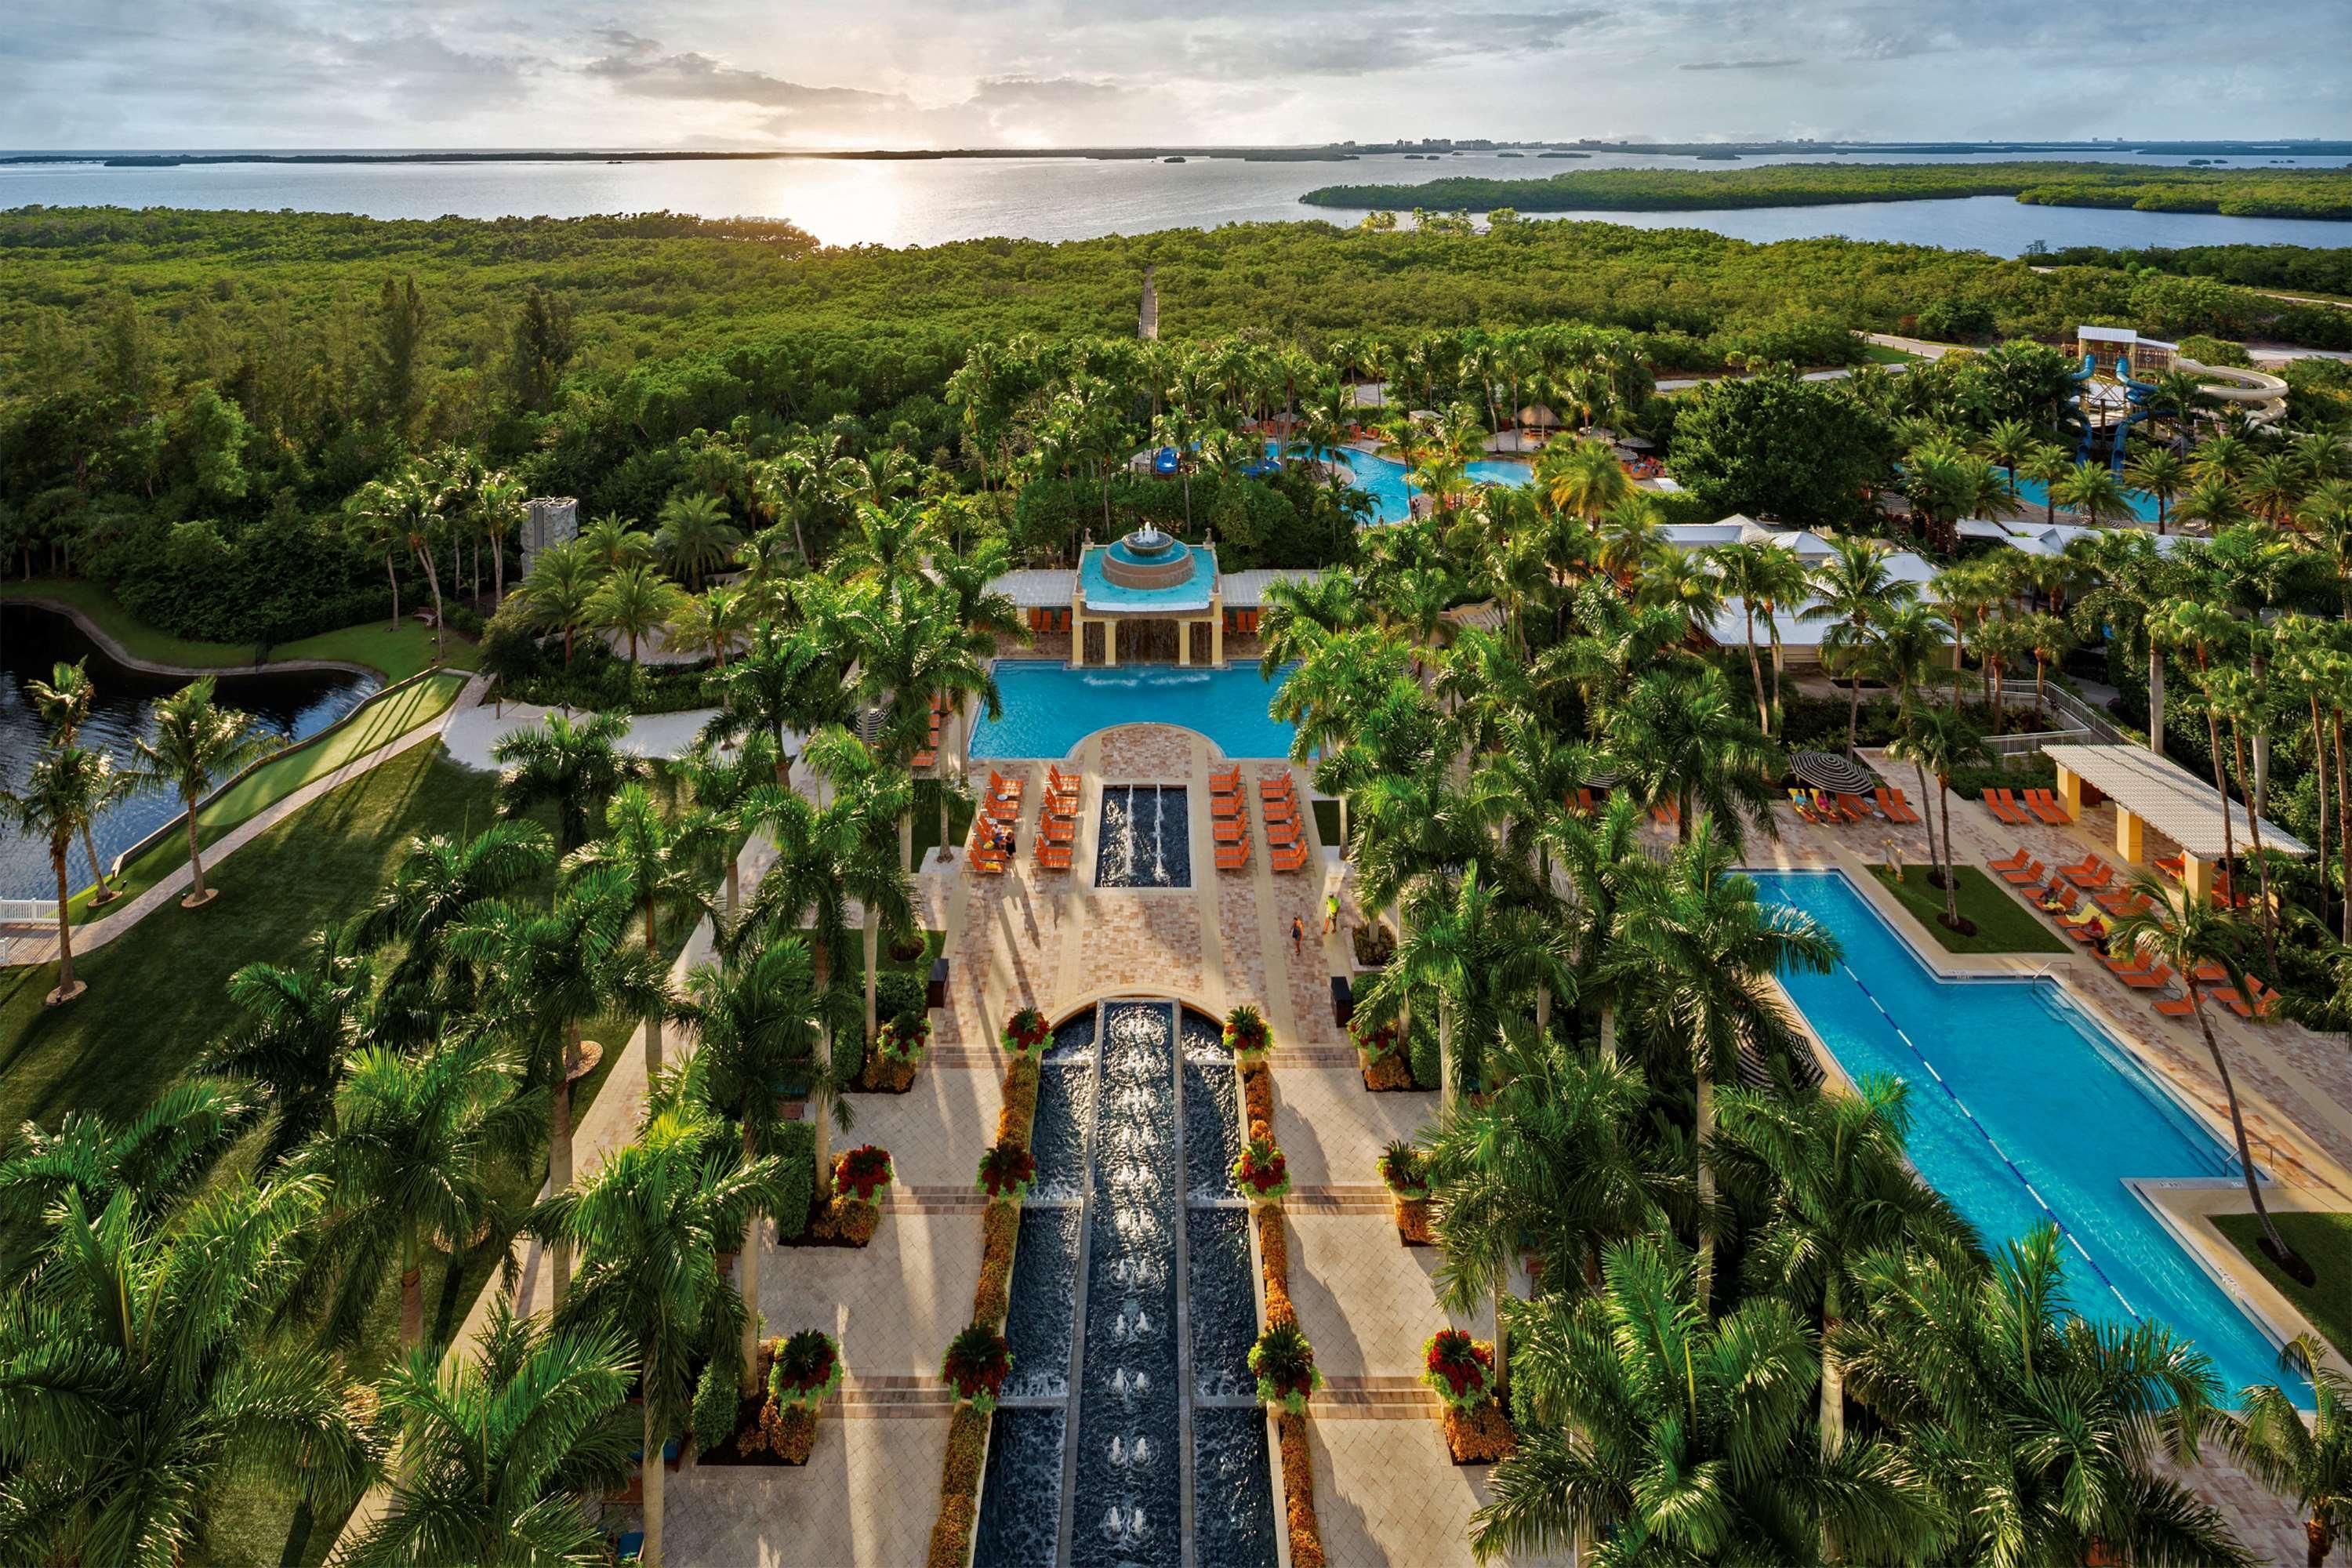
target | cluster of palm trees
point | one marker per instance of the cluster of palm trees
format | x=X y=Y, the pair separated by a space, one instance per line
x=1745 y=1330
x=450 y=500
x=194 y=746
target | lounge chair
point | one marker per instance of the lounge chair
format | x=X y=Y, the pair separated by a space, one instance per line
x=1282 y=832
x=1856 y=808
x=2155 y=979
x=2175 y=1007
x=1897 y=809
x=2044 y=804
x=1586 y=805
x=2087 y=930
x=1225 y=806
x=1996 y=802
x=1803 y=805
x=1666 y=814
x=1230 y=830
x=2011 y=862
x=2092 y=876
x=2030 y=877
x=2122 y=902
x=1233 y=857
x=2171 y=866
x=1057 y=830
x=2129 y=963
x=1053 y=856
x=1829 y=810
x=1226 y=783
x=1289 y=859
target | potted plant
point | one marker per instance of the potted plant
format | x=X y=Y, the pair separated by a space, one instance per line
x=898 y=1048
x=1462 y=1370
x=1246 y=1035
x=1007 y=1172
x=1026 y=1034
x=1261 y=1172
x=860 y=1175
x=1404 y=1170
x=804 y=1370
x=1284 y=1364
x=977 y=1362
x=1380 y=1048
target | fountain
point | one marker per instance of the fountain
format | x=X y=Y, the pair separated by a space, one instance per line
x=1146 y=838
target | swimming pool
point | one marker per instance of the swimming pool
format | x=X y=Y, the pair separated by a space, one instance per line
x=1382 y=479
x=2034 y=495
x=1049 y=707
x=2024 y=1110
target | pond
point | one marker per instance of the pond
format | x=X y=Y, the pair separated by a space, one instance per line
x=293 y=704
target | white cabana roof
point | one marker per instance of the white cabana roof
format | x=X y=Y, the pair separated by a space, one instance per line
x=2169 y=798
x=1035 y=589
x=1246 y=589
x=1730 y=627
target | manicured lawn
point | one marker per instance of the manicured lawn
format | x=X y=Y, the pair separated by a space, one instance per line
x=2003 y=925
x=398 y=653
x=2325 y=1242
x=1879 y=354
x=377 y=724
x=927 y=818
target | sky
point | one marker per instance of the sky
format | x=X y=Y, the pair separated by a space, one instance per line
x=743 y=74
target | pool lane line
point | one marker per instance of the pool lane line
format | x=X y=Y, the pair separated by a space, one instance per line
x=1990 y=1142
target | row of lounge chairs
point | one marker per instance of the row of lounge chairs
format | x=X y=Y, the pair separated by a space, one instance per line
x=2064 y=895
x=1286 y=822
x=1229 y=820
x=993 y=826
x=931 y=751
x=1057 y=820
x=2035 y=806
x=1828 y=810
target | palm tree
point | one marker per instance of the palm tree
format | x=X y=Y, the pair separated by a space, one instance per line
x=2048 y=638
x=2091 y=489
x=788 y=681
x=1712 y=951
x=1940 y=741
x=2212 y=499
x=65 y=791
x=634 y=601
x=650 y=1223
x=64 y=702
x=869 y=798
x=614 y=543
x=722 y=787
x=1853 y=592
x=415 y=1155
x=194 y=746
x=1835 y=1187
x=709 y=623
x=1762 y=577
x=1580 y=479
x=139 y=1377
x=436 y=883
x=304 y=1024
x=2192 y=934
x=1679 y=736
x=1680 y=1438
x=659 y=861
x=405 y=509
x=2037 y=1427
x=2008 y=443
x=2048 y=465
x=695 y=537
x=543 y=975
x=2159 y=472
x=557 y=593
x=497 y=1453
x=2310 y=1461
x=1602 y=858
x=499 y=509
x=907 y=655
x=571 y=764
x=759 y=1030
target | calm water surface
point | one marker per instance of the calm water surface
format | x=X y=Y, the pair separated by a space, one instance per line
x=293 y=704
x=934 y=201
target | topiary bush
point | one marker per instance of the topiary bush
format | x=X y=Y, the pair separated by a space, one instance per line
x=794 y=1144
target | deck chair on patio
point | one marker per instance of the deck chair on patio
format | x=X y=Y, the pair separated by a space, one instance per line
x=2028 y=875
x=1997 y=801
x=1897 y=809
x=1856 y=808
x=2014 y=861
x=2044 y=804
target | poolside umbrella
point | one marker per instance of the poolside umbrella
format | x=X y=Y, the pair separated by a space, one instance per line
x=1829 y=771
x=1606 y=778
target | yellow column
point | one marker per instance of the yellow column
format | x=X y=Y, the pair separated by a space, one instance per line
x=1078 y=630
x=2070 y=790
x=2128 y=836
x=1217 y=628
x=1184 y=643
x=1110 y=644
x=2197 y=876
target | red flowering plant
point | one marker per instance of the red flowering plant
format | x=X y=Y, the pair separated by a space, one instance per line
x=1284 y=1364
x=1405 y=1170
x=1461 y=1369
x=899 y=1041
x=1262 y=1171
x=861 y=1174
x=806 y=1368
x=1372 y=1041
x=1007 y=1172
x=1026 y=1034
x=977 y=1363
x=1246 y=1035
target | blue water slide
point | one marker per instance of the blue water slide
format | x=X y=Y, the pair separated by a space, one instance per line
x=1163 y=461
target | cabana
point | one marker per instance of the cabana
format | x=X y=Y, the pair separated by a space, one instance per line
x=2150 y=790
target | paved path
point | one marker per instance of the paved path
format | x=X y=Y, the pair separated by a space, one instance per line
x=91 y=935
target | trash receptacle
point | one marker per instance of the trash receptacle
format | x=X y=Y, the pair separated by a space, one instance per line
x=935 y=993
x=1343 y=1000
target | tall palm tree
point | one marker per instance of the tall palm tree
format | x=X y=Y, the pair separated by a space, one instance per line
x=659 y=861
x=64 y=702
x=2310 y=1461
x=2133 y=589
x=870 y=799
x=634 y=601
x=1680 y=736
x=196 y=745
x=695 y=537
x=1677 y=1437
x=415 y=1155
x=2039 y=1428
x=1853 y=592
x=1836 y=1186
x=2192 y=934
x=436 y=883
x=1940 y=740
x=304 y=1022
x=1602 y=858
x=570 y=764
x=709 y=623
x=758 y=1029
x=1763 y=577
x=722 y=782
x=64 y=792
x=789 y=681
x=615 y=543
x=2159 y=472
x=2091 y=489
x=1580 y=478
x=2008 y=442
x=497 y=1452
x=908 y=654
x=650 y=1222
x=559 y=589
x=499 y=509
x=405 y=509
x=1713 y=951
x=139 y=1377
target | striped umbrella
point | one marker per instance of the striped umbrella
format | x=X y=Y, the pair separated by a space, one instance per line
x=1833 y=771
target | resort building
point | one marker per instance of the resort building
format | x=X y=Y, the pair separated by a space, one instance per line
x=1796 y=640
x=1147 y=595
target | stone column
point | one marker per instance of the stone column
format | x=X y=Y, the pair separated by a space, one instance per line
x=2197 y=877
x=1217 y=630
x=1078 y=631
x=1110 y=643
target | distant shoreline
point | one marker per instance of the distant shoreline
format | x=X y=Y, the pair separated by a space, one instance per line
x=1334 y=152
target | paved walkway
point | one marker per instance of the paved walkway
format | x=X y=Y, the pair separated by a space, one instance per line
x=91 y=935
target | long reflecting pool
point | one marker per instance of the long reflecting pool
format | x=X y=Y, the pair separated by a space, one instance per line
x=1119 y=1435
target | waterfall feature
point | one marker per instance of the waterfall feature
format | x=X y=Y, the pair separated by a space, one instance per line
x=1146 y=837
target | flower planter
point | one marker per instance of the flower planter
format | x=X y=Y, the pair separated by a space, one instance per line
x=1413 y=1222
x=1285 y=1366
x=1461 y=1371
x=1404 y=1170
x=1026 y=1034
x=1246 y=1035
x=1262 y=1172
x=977 y=1362
x=1386 y=1071
x=1007 y=1172
x=890 y=1065
x=1479 y=1437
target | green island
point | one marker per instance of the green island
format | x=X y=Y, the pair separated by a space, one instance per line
x=2235 y=193
x=1345 y=824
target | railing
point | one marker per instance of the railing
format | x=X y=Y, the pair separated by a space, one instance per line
x=2079 y=717
x=2026 y=745
x=27 y=911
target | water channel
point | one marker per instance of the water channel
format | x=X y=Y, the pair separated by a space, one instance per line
x=1129 y=1435
x=1145 y=840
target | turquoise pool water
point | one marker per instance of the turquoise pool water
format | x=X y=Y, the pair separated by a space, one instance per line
x=2023 y=1110
x=1050 y=707
x=1382 y=479
x=2034 y=495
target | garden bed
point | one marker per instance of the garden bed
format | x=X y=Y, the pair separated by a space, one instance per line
x=2002 y=924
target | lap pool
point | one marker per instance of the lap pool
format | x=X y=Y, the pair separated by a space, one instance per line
x=1049 y=707
x=2025 y=1111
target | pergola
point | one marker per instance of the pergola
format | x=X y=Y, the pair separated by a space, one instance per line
x=2150 y=790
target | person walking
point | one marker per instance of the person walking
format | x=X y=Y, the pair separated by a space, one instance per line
x=1330 y=912
x=1298 y=937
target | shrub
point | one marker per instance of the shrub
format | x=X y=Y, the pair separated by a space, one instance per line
x=795 y=1143
x=860 y=1175
x=976 y=1364
x=1298 y=1492
x=1375 y=945
x=1246 y=1036
x=2206 y=350
x=717 y=1399
x=1461 y=1369
x=1026 y=1034
x=1405 y=1170
x=951 y=1536
x=1000 y=1230
x=1007 y=1172
x=806 y=1368
x=967 y=1451
x=1373 y=1042
x=1257 y=1094
x=901 y=1042
x=1284 y=1364
x=902 y=997
x=1274 y=1254
x=1262 y=1171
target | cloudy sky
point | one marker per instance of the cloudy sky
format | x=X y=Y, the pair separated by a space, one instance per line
x=932 y=73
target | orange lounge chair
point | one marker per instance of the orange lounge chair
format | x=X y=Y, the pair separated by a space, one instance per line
x=1586 y=805
x=1233 y=857
x=1280 y=810
x=2087 y=930
x=1803 y=804
x=2122 y=901
x=1896 y=808
x=2092 y=876
x=1226 y=783
x=2030 y=877
x=1225 y=806
x=1280 y=834
x=1856 y=808
x=1057 y=830
x=1997 y=801
x=2044 y=804
x=1230 y=830
x=2014 y=862
x=1054 y=857
x=2175 y=1007
x=1289 y=859
x=1666 y=814
x=2171 y=865
x=2155 y=979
